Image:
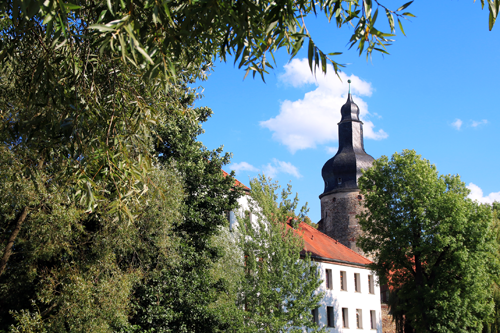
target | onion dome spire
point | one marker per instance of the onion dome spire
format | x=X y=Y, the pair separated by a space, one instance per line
x=341 y=172
x=350 y=110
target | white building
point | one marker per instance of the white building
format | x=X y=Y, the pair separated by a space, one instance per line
x=351 y=301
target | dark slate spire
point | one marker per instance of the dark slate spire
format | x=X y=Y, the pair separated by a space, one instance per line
x=342 y=171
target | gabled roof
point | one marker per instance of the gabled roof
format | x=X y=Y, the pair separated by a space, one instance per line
x=236 y=182
x=323 y=247
x=319 y=245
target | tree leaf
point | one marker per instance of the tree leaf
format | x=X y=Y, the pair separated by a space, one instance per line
x=72 y=6
x=101 y=27
x=390 y=18
x=404 y=6
x=110 y=7
x=401 y=27
x=310 y=53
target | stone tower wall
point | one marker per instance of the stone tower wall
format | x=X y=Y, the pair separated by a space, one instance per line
x=338 y=214
x=388 y=324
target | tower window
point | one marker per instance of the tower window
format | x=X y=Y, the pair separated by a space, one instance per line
x=360 y=197
x=334 y=199
x=340 y=180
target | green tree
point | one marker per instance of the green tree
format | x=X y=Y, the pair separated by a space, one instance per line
x=492 y=325
x=184 y=295
x=70 y=72
x=74 y=270
x=429 y=242
x=71 y=270
x=164 y=35
x=279 y=288
x=86 y=207
x=122 y=156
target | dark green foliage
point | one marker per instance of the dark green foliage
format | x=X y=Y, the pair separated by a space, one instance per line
x=78 y=130
x=492 y=324
x=432 y=245
x=79 y=112
x=73 y=271
x=167 y=38
x=183 y=295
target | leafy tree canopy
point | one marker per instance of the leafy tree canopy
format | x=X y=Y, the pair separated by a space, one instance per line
x=431 y=244
x=162 y=35
x=185 y=294
x=61 y=65
x=279 y=288
x=492 y=324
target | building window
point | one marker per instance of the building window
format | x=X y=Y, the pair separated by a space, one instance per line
x=373 y=320
x=329 y=284
x=357 y=285
x=343 y=282
x=371 y=287
x=345 y=318
x=330 y=320
x=249 y=215
x=360 y=197
x=340 y=180
x=359 y=318
x=315 y=316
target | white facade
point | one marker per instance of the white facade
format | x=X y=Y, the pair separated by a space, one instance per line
x=349 y=299
x=360 y=303
x=243 y=207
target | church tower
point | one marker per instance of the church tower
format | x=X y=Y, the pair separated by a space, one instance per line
x=340 y=201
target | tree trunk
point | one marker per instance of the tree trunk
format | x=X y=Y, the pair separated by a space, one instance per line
x=8 y=249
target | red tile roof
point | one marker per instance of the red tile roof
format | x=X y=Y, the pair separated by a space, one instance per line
x=320 y=245
x=236 y=181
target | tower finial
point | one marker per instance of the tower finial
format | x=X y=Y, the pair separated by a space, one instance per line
x=349 y=81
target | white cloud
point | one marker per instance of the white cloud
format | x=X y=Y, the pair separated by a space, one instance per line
x=457 y=124
x=332 y=150
x=312 y=120
x=272 y=169
x=475 y=123
x=476 y=193
x=242 y=166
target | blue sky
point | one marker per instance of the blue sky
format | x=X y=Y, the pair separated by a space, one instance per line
x=437 y=92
